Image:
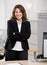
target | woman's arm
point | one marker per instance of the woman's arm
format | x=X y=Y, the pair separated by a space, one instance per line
x=10 y=32
x=26 y=35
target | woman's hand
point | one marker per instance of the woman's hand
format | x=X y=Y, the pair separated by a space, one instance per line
x=13 y=33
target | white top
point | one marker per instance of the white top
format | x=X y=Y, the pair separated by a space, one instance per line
x=18 y=45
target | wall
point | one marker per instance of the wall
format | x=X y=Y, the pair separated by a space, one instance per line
x=2 y=14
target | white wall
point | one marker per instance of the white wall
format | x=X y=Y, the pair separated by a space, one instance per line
x=2 y=14
x=38 y=6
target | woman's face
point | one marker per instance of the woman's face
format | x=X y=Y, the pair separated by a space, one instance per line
x=18 y=14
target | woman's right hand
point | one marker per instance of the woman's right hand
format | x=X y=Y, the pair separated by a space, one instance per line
x=13 y=33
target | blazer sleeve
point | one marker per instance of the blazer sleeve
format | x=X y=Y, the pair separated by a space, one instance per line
x=10 y=31
x=27 y=34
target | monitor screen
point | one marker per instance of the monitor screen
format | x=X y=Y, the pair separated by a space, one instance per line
x=45 y=48
x=45 y=44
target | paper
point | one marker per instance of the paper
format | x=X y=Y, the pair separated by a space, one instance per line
x=13 y=64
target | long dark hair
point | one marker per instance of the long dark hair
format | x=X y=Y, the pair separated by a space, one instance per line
x=22 y=9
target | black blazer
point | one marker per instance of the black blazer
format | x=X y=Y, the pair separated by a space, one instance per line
x=24 y=34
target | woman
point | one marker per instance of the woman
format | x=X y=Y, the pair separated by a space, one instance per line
x=18 y=31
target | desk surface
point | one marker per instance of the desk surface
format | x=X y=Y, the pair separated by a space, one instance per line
x=23 y=62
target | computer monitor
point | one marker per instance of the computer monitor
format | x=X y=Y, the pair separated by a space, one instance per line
x=45 y=44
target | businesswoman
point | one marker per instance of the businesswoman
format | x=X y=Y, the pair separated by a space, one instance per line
x=18 y=32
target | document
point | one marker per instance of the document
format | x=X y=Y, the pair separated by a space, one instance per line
x=13 y=64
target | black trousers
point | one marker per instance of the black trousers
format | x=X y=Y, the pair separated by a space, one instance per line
x=16 y=55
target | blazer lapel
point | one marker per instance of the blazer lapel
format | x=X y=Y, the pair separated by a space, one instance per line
x=21 y=26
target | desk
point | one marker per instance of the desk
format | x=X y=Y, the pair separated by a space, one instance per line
x=22 y=62
x=25 y=62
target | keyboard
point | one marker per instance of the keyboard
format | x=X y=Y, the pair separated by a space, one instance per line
x=42 y=60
